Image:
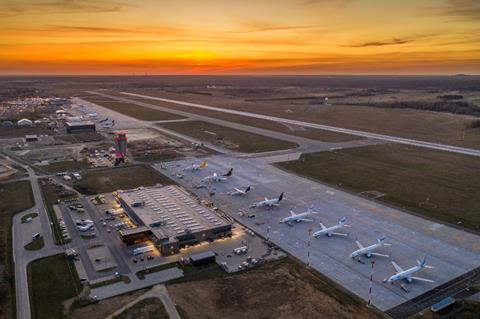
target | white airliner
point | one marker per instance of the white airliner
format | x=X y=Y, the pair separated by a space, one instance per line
x=218 y=178
x=298 y=217
x=238 y=191
x=196 y=167
x=369 y=250
x=330 y=231
x=406 y=275
x=268 y=202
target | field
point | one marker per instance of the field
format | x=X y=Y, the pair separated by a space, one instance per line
x=48 y=292
x=435 y=184
x=311 y=133
x=409 y=123
x=64 y=166
x=15 y=197
x=145 y=309
x=227 y=137
x=136 y=111
x=282 y=289
x=112 y=179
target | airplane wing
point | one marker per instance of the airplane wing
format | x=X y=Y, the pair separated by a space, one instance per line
x=306 y=219
x=323 y=226
x=238 y=190
x=380 y=255
x=397 y=267
x=358 y=244
x=215 y=174
x=292 y=213
x=422 y=279
x=339 y=234
x=266 y=199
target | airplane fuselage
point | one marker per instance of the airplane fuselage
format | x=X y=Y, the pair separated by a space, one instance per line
x=406 y=274
x=327 y=231
x=295 y=218
x=365 y=251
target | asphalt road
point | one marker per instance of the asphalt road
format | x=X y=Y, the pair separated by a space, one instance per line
x=387 y=138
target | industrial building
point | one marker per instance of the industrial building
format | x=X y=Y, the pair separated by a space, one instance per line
x=80 y=127
x=170 y=217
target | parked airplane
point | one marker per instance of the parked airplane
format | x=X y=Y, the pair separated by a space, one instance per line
x=108 y=124
x=330 y=231
x=298 y=217
x=268 y=202
x=406 y=275
x=196 y=167
x=218 y=178
x=369 y=250
x=237 y=191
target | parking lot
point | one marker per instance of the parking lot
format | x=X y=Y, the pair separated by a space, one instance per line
x=451 y=251
x=101 y=254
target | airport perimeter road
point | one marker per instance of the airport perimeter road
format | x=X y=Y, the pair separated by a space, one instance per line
x=387 y=138
x=305 y=145
x=451 y=251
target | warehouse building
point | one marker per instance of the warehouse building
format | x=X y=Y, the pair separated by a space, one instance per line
x=171 y=217
x=80 y=127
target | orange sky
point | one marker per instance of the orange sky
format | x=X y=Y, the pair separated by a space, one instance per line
x=239 y=37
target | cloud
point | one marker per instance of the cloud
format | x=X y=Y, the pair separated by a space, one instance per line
x=263 y=26
x=463 y=10
x=393 y=41
x=11 y=8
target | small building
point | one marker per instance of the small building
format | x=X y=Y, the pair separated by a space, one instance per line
x=31 y=138
x=24 y=123
x=205 y=257
x=80 y=127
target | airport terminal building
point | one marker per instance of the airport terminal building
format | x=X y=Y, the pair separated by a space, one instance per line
x=171 y=217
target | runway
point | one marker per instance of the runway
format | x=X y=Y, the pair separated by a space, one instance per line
x=387 y=138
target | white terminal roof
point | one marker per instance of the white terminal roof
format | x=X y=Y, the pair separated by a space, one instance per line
x=173 y=207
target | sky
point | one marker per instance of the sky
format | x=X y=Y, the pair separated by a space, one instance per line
x=260 y=37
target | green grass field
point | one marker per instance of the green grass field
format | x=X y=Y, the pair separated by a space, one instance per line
x=52 y=280
x=135 y=111
x=36 y=244
x=436 y=184
x=112 y=179
x=64 y=166
x=227 y=137
x=14 y=198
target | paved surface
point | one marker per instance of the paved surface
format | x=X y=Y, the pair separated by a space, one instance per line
x=150 y=280
x=382 y=137
x=453 y=252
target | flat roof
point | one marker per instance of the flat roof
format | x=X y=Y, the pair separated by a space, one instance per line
x=202 y=255
x=81 y=123
x=170 y=211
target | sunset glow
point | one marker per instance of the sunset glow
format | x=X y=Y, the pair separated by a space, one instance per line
x=240 y=37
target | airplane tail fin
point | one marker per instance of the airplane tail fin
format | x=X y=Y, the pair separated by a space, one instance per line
x=280 y=197
x=203 y=165
x=229 y=172
x=423 y=263
x=343 y=221
x=381 y=239
x=247 y=189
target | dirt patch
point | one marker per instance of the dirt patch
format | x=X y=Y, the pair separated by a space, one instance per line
x=149 y=308
x=277 y=290
x=104 y=308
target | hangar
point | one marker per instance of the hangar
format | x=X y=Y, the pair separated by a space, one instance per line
x=171 y=217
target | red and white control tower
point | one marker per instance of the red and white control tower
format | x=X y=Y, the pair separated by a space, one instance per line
x=120 y=147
